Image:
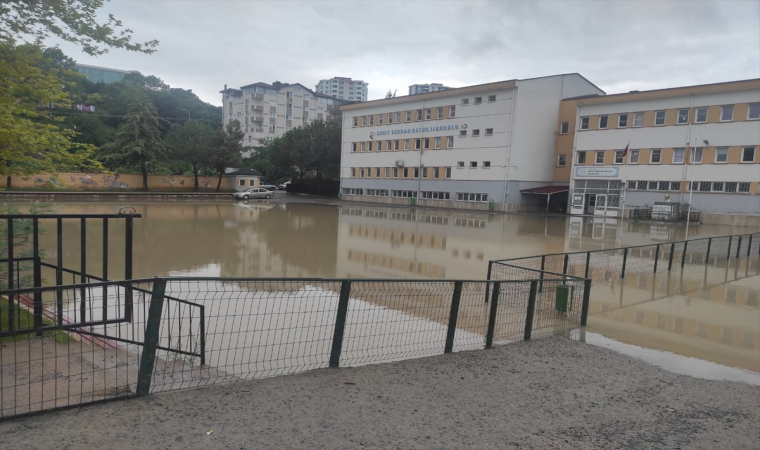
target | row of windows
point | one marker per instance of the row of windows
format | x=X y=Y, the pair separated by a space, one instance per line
x=683 y=117
x=414 y=144
x=395 y=117
x=655 y=156
x=700 y=186
x=432 y=195
x=401 y=172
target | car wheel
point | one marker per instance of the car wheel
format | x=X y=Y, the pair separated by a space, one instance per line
x=268 y=196
x=245 y=197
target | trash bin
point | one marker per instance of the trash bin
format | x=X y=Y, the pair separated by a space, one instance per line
x=490 y=205
x=412 y=201
x=564 y=298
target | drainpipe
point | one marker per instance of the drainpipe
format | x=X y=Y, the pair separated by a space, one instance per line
x=571 y=189
x=687 y=149
x=509 y=149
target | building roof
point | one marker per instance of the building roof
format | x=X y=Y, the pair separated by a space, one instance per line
x=258 y=84
x=725 y=86
x=249 y=172
x=87 y=66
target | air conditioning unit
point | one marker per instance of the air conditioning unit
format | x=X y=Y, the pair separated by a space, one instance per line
x=400 y=163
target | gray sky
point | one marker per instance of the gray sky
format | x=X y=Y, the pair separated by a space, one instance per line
x=618 y=45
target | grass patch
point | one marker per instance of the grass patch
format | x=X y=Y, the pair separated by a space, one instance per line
x=25 y=319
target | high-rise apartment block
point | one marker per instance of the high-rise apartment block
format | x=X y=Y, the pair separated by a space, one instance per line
x=425 y=88
x=344 y=89
x=102 y=74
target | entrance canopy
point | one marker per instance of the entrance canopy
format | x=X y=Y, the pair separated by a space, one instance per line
x=547 y=191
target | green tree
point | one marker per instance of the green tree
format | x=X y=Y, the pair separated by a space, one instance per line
x=138 y=141
x=70 y=20
x=228 y=145
x=191 y=142
x=261 y=160
x=313 y=149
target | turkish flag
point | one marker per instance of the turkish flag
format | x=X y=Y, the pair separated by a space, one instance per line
x=625 y=152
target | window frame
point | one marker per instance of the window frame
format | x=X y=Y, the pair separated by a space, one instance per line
x=749 y=109
x=477 y=100
x=620 y=117
x=566 y=126
x=696 y=114
x=596 y=157
x=486 y=164
x=428 y=113
x=437 y=142
x=452 y=111
x=465 y=101
x=717 y=152
x=439 y=113
x=489 y=132
x=561 y=160
x=355 y=122
x=491 y=98
x=652 y=152
x=473 y=164
x=692 y=154
x=581 y=152
x=606 y=118
x=754 y=154
x=664 y=116
x=475 y=133
x=673 y=156
x=450 y=142
x=638 y=114
x=622 y=158
x=408 y=116
x=678 y=116
x=580 y=123
x=722 y=107
x=631 y=152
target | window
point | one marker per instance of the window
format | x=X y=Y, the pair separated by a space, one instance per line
x=387 y=172
x=561 y=160
x=491 y=98
x=584 y=123
x=406 y=172
x=390 y=117
x=369 y=146
x=241 y=183
x=288 y=117
x=633 y=158
x=675 y=185
x=467 y=197
x=599 y=158
x=602 y=122
x=486 y=163
x=419 y=115
x=564 y=127
x=696 y=155
x=619 y=157
x=417 y=172
x=727 y=113
x=417 y=144
x=290 y=94
x=623 y=121
x=371 y=120
x=581 y=157
x=731 y=186
x=272 y=102
x=290 y=106
x=638 y=119
x=748 y=154
x=452 y=112
x=465 y=101
x=353 y=147
x=403 y=194
x=473 y=164
x=427 y=114
x=398 y=117
x=448 y=172
x=379 y=119
x=377 y=192
x=489 y=131
x=460 y=164
x=721 y=154
x=753 y=111
x=475 y=133
x=440 y=113
x=744 y=187
x=462 y=133
x=272 y=127
x=353 y=191
x=364 y=121
x=450 y=142
x=701 y=115
x=642 y=186
x=437 y=142
x=632 y=184
x=408 y=116
x=273 y=114
x=704 y=186
x=377 y=172
x=395 y=145
x=717 y=186
x=306 y=97
x=395 y=172
x=362 y=146
x=427 y=143
x=652 y=185
x=424 y=172
x=478 y=100
x=361 y=171
x=659 y=117
x=663 y=186
x=436 y=172
x=683 y=116
x=654 y=157
x=678 y=155
x=434 y=195
x=406 y=144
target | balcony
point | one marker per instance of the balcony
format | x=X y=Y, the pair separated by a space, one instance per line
x=257 y=108
x=257 y=96
x=271 y=131
x=258 y=130
x=257 y=119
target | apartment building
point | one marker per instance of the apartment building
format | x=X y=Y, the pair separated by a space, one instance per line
x=425 y=88
x=98 y=74
x=344 y=89
x=695 y=144
x=474 y=147
x=266 y=111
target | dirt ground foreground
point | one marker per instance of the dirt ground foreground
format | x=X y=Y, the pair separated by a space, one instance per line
x=549 y=393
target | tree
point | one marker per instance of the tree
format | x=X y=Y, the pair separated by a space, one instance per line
x=138 y=142
x=71 y=20
x=261 y=161
x=191 y=142
x=228 y=144
x=313 y=149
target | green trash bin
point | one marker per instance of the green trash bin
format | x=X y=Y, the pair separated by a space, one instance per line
x=564 y=298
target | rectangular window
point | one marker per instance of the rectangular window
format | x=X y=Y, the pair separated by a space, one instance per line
x=398 y=117
x=377 y=172
x=450 y=142
x=436 y=172
x=361 y=147
x=395 y=145
x=473 y=164
x=564 y=127
x=744 y=187
x=664 y=186
x=631 y=184
x=675 y=185
x=364 y=121
x=721 y=154
x=387 y=172
x=634 y=157
x=408 y=116
x=731 y=186
x=727 y=113
x=371 y=120
x=489 y=131
x=424 y=172
x=654 y=157
x=584 y=123
x=599 y=158
x=491 y=98
x=703 y=186
x=272 y=102
x=465 y=101
x=678 y=155
x=748 y=154
x=701 y=116
x=623 y=121
x=683 y=116
x=659 y=117
x=486 y=163
x=290 y=94
x=642 y=186
x=427 y=114
x=467 y=197
x=419 y=115
x=581 y=157
x=448 y=172
x=478 y=100
x=427 y=143
x=452 y=111
x=273 y=115
x=475 y=133
x=638 y=119
x=416 y=172
x=289 y=106
x=437 y=142
x=460 y=164
x=417 y=144
x=652 y=185
x=242 y=183
x=288 y=117
x=406 y=172
x=696 y=155
x=406 y=144
x=462 y=133
x=619 y=157
x=362 y=172
x=717 y=186
x=602 y=122
x=353 y=147
x=561 y=159
x=753 y=111
x=440 y=113
x=395 y=172
x=369 y=146
x=379 y=119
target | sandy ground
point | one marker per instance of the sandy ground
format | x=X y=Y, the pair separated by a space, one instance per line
x=549 y=393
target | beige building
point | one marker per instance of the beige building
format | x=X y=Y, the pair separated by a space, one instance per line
x=344 y=89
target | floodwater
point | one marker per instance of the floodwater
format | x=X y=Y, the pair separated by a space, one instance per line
x=308 y=240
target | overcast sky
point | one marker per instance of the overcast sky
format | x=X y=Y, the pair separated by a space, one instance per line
x=618 y=45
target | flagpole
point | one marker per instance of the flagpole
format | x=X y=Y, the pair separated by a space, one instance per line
x=691 y=189
x=625 y=180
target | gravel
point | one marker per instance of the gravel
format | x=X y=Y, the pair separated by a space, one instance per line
x=549 y=393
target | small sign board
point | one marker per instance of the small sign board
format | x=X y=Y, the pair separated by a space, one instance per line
x=597 y=171
x=663 y=210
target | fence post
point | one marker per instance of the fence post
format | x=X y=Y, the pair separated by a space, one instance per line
x=492 y=315
x=738 y=247
x=749 y=247
x=529 y=312
x=587 y=300
x=683 y=256
x=670 y=259
x=37 y=274
x=728 y=252
x=625 y=258
x=588 y=260
x=128 y=298
x=564 y=264
x=11 y=309
x=656 y=257
x=453 y=317
x=152 y=328
x=340 y=323
x=488 y=277
x=203 y=335
x=707 y=257
x=541 y=275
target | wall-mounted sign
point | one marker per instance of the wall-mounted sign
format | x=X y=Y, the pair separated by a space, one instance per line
x=416 y=130
x=597 y=171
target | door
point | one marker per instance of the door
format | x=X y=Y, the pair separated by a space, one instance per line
x=601 y=205
x=590 y=203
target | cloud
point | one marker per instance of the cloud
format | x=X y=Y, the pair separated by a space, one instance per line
x=619 y=46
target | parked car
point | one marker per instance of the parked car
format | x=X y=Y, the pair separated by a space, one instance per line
x=256 y=192
x=267 y=187
x=284 y=185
